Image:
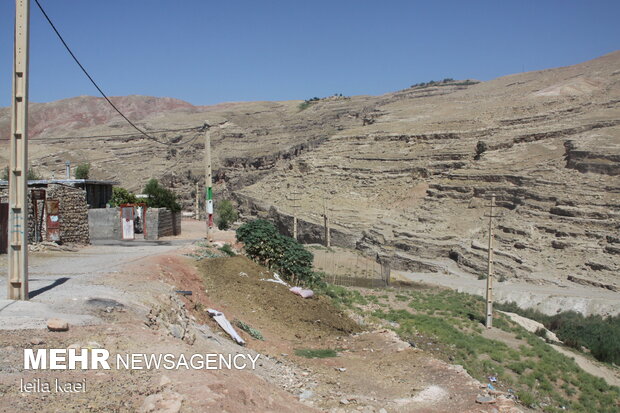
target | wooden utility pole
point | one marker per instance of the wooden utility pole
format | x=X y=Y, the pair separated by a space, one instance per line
x=489 y=302
x=328 y=241
x=17 y=288
x=208 y=183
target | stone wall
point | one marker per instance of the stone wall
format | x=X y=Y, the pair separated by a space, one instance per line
x=73 y=213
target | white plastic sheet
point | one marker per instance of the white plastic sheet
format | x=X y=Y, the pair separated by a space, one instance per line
x=221 y=320
x=301 y=292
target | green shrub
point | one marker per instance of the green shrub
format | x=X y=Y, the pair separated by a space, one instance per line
x=527 y=399
x=481 y=147
x=250 y=330
x=160 y=197
x=122 y=196
x=264 y=244
x=225 y=214
x=227 y=249
x=82 y=171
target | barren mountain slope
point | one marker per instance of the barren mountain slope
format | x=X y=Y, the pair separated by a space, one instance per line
x=397 y=171
x=408 y=186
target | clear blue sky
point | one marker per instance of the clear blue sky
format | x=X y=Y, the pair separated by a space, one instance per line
x=206 y=52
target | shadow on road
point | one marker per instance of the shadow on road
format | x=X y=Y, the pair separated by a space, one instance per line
x=41 y=290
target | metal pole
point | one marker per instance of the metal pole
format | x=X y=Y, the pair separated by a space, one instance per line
x=489 y=302
x=208 y=183
x=18 y=169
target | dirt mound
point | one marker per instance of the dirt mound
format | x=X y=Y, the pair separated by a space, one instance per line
x=239 y=284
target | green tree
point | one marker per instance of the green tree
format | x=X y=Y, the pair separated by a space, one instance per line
x=160 y=197
x=225 y=214
x=82 y=171
x=122 y=196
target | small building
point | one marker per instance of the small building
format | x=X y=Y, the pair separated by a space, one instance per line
x=98 y=193
x=57 y=209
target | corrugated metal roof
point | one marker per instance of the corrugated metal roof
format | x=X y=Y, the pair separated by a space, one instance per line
x=64 y=182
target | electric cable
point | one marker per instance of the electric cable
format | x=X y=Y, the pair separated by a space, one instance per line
x=127 y=135
x=91 y=79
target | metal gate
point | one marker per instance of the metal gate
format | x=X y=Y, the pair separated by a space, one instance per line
x=127 y=222
x=4 y=228
x=53 y=220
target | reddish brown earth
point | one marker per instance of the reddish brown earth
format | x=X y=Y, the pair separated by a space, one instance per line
x=373 y=369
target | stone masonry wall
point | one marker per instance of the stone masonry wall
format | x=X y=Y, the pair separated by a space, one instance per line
x=73 y=213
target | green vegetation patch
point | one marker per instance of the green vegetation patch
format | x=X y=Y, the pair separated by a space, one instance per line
x=316 y=353
x=227 y=249
x=307 y=103
x=342 y=296
x=598 y=334
x=541 y=377
x=250 y=330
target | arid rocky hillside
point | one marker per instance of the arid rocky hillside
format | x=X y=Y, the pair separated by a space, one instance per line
x=397 y=172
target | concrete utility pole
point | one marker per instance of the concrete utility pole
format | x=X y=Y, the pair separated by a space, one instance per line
x=328 y=241
x=295 y=199
x=197 y=202
x=208 y=183
x=17 y=288
x=489 y=302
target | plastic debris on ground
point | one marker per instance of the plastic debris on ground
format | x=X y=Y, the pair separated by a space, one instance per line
x=276 y=279
x=221 y=320
x=301 y=292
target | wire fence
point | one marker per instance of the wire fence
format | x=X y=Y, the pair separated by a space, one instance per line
x=348 y=268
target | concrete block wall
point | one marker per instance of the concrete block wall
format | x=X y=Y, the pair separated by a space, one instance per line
x=161 y=222
x=152 y=224
x=104 y=223
x=165 y=226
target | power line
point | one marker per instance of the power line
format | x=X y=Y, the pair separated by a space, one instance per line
x=91 y=79
x=116 y=135
x=187 y=147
